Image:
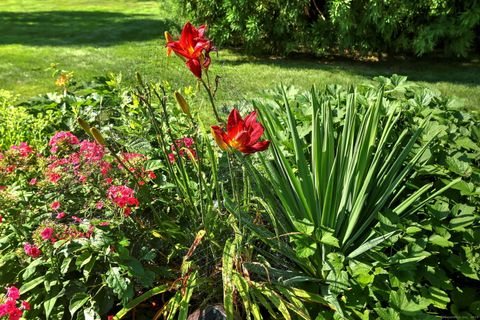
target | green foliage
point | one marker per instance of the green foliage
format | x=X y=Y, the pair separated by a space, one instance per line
x=428 y=253
x=205 y=233
x=417 y=27
x=19 y=124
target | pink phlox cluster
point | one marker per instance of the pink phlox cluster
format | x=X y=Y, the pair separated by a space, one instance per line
x=123 y=197
x=62 y=137
x=91 y=151
x=32 y=250
x=132 y=160
x=24 y=150
x=55 y=205
x=47 y=234
x=9 y=308
x=81 y=162
x=72 y=232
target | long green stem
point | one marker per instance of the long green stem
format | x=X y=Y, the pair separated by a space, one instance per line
x=212 y=101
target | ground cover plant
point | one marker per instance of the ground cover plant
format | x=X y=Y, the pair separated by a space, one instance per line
x=340 y=202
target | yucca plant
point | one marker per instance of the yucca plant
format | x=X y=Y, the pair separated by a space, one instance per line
x=327 y=197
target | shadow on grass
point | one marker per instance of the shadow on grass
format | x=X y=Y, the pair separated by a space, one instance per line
x=67 y=28
x=431 y=70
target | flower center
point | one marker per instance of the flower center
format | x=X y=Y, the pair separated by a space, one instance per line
x=234 y=143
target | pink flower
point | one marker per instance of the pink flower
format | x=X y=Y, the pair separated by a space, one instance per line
x=183 y=146
x=31 y=250
x=25 y=305
x=33 y=182
x=127 y=212
x=23 y=149
x=109 y=180
x=187 y=142
x=105 y=167
x=77 y=219
x=82 y=179
x=1 y=218
x=61 y=215
x=152 y=175
x=122 y=196
x=55 y=205
x=10 y=308
x=47 y=233
x=104 y=223
x=54 y=177
x=62 y=137
x=13 y=293
x=91 y=151
x=99 y=205
x=15 y=314
x=133 y=156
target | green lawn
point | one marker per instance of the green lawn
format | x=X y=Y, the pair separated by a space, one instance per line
x=93 y=37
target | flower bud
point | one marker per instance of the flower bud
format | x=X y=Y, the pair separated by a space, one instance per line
x=139 y=78
x=84 y=126
x=182 y=103
x=98 y=136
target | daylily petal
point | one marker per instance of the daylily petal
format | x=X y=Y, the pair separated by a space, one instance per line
x=199 y=48
x=168 y=38
x=195 y=66
x=201 y=30
x=233 y=119
x=256 y=132
x=242 y=138
x=250 y=119
x=206 y=61
x=186 y=37
x=218 y=134
x=260 y=146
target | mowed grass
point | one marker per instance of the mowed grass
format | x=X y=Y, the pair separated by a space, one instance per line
x=95 y=37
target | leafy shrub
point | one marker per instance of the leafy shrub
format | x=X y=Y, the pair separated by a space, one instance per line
x=414 y=27
x=425 y=258
x=18 y=124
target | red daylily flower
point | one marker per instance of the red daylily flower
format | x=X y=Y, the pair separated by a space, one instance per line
x=241 y=134
x=192 y=47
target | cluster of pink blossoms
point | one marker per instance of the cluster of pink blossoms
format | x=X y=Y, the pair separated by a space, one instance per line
x=183 y=146
x=63 y=232
x=55 y=233
x=15 y=158
x=82 y=158
x=123 y=197
x=32 y=250
x=24 y=150
x=62 y=138
x=9 y=308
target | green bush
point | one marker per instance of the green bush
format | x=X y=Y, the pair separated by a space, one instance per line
x=412 y=27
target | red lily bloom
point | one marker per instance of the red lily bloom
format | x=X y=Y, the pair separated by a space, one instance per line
x=242 y=135
x=192 y=47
